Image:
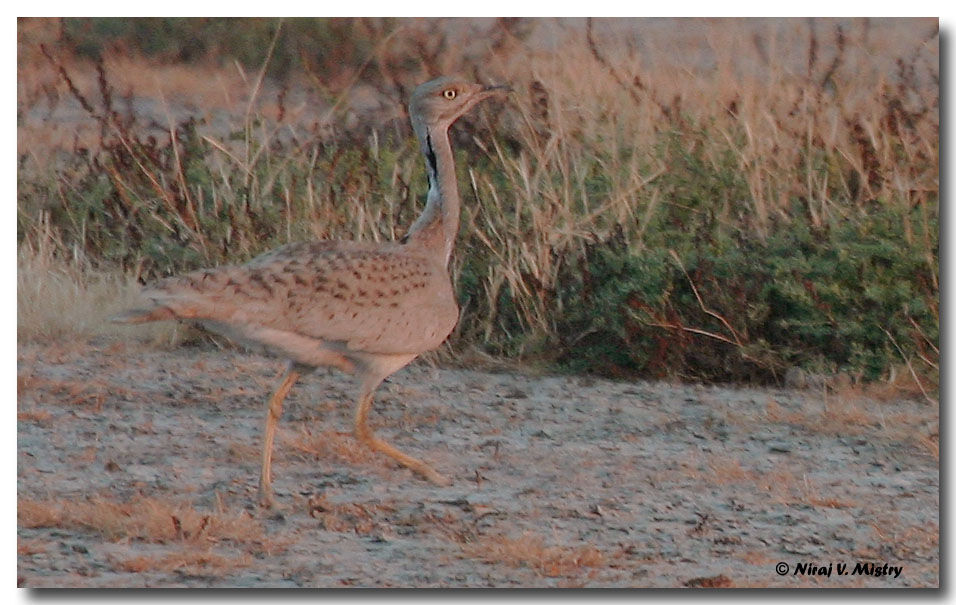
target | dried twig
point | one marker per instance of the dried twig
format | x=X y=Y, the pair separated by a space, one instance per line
x=703 y=307
x=909 y=366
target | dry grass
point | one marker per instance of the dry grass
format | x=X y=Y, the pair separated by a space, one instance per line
x=143 y=518
x=856 y=411
x=720 y=581
x=903 y=383
x=929 y=443
x=189 y=541
x=39 y=85
x=327 y=445
x=38 y=416
x=821 y=119
x=779 y=108
x=63 y=299
x=783 y=483
x=242 y=451
x=85 y=392
x=530 y=551
x=189 y=562
x=757 y=558
x=27 y=547
x=724 y=469
x=788 y=485
x=903 y=541
x=347 y=516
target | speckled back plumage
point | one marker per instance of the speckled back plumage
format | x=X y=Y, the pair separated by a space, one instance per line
x=368 y=297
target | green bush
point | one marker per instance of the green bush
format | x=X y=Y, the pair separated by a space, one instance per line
x=828 y=299
x=678 y=278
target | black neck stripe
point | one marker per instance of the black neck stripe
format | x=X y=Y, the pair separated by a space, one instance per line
x=430 y=157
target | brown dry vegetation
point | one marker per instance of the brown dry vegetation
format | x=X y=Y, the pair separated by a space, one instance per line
x=60 y=299
x=188 y=562
x=191 y=538
x=619 y=210
x=533 y=551
x=623 y=176
x=142 y=518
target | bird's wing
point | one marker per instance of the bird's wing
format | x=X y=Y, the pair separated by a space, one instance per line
x=372 y=298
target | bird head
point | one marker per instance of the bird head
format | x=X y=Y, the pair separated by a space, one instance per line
x=443 y=100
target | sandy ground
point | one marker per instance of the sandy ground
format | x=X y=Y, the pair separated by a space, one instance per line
x=138 y=467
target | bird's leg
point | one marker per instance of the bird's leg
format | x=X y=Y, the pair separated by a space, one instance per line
x=273 y=411
x=365 y=434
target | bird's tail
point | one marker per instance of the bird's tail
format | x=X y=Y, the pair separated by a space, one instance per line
x=141 y=316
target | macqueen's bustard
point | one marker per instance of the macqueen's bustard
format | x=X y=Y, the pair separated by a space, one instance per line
x=366 y=308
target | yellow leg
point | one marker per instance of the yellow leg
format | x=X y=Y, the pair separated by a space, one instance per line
x=365 y=434
x=273 y=411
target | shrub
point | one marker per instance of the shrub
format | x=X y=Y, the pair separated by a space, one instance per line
x=617 y=218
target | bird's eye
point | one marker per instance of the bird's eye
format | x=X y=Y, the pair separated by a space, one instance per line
x=450 y=93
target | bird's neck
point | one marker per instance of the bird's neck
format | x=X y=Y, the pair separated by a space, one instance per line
x=437 y=227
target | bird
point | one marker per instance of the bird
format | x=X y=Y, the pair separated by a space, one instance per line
x=365 y=308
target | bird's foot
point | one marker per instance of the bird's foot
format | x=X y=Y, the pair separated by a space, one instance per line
x=267 y=500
